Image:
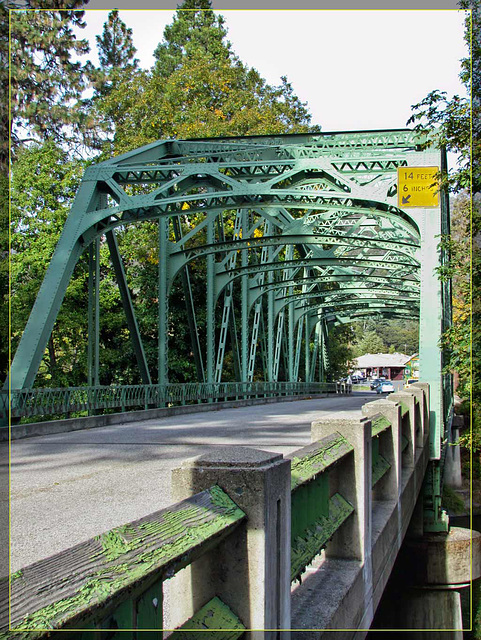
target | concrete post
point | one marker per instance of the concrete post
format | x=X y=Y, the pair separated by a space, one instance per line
x=408 y=430
x=250 y=571
x=390 y=447
x=420 y=417
x=425 y=387
x=353 y=481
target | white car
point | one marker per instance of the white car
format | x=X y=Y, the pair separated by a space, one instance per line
x=385 y=386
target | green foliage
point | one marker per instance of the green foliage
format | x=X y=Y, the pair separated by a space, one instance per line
x=456 y=340
x=448 y=123
x=195 y=31
x=46 y=84
x=198 y=88
x=4 y=277
x=370 y=342
x=115 y=46
x=471 y=77
x=386 y=336
x=340 y=353
x=44 y=183
x=117 y=62
x=35 y=104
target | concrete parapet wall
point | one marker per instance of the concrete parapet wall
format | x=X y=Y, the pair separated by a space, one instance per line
x=359 y=462
x=383 y=512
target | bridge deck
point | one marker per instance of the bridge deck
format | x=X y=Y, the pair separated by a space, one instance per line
x=66 y=488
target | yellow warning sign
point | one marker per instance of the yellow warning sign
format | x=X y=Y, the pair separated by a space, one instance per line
x=417 y=187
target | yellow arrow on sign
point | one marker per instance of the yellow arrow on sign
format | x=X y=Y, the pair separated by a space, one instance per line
x=417 y=187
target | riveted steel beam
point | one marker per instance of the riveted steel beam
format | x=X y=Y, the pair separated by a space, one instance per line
x=322 y=237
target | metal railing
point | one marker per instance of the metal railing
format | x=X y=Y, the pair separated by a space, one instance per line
x=54 y=402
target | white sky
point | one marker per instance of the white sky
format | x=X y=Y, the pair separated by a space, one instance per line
x=355 y=69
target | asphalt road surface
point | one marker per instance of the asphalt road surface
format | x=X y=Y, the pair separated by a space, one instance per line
x=66 y=488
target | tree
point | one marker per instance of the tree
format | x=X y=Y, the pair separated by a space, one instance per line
x=370 y=342
x=115 y=46
x=199 y=88
x=196 y=30
x=340 y=353
x=45 y=87
x=44 y=183
x=116 y=55
x=46 y=84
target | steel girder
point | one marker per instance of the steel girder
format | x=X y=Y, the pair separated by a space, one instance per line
x=290 y=226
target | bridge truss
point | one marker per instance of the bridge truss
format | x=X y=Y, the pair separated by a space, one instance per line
x=304 y=231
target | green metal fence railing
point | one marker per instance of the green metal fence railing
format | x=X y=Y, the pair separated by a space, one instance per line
x=55 y=402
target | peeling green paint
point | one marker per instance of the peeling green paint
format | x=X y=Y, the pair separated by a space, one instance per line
x=214 y=620
x=114 y=543
x=316 y=537
x=166 y=558
x=15 y=576
x=378 y=424
x=381 y=467
x=220 y=498
x=305 y=468
x=404 y=408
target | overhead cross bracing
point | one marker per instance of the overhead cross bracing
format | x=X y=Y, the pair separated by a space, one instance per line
x=298 y=232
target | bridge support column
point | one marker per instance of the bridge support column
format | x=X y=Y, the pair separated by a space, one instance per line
x=452 y=463
x=250 y=571
x=411 y=429
x=424 y=592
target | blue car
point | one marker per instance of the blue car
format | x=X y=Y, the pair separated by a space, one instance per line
x=375 y=382
x=385 y=386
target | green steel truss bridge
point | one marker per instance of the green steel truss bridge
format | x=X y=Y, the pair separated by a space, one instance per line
x=304 y=230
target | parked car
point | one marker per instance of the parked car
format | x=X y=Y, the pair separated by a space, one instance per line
x=358 y=379
x=385 y=386
x=410 y=381
x=374 y=382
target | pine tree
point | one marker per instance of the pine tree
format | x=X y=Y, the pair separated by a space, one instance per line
x=117 y=64
x=43 y=96
x=195 y=31
x=116 y=50
x=46 y=84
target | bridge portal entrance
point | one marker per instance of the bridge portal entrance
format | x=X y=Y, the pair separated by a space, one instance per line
x=295 y=234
